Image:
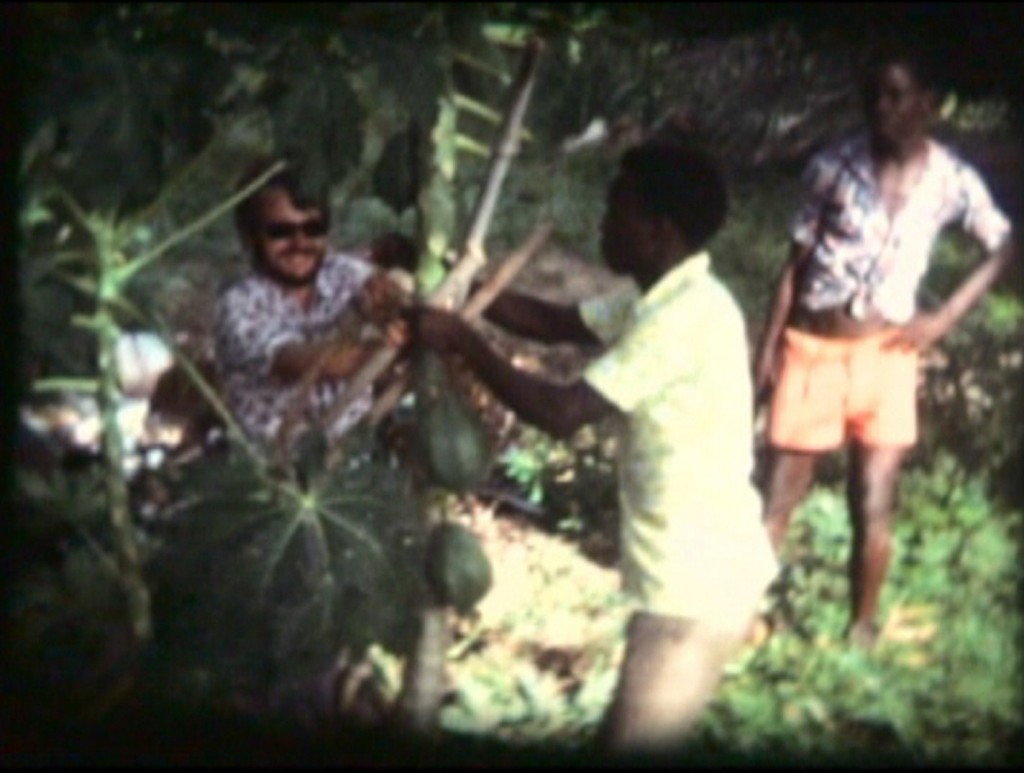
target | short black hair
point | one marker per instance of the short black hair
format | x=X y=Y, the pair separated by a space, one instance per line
x=682 y=181
x=917 y=58
x=291 y=180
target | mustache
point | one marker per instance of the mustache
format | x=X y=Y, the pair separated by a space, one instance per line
x=265 y=266
x=301 y=253
x=262 y=259
x=287 y=279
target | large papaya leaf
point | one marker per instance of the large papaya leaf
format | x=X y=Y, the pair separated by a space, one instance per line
x=289 y=574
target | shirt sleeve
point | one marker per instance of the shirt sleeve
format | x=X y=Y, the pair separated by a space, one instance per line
x=818 y=182
x=345 y=273
x=606 y=315
x=978 y=212
x=652 y=354
x=248 y=331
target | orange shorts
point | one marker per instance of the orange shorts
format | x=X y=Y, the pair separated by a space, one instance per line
x=830 y=390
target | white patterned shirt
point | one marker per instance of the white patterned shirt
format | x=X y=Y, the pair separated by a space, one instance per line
x=254 y=318
x=859 y=254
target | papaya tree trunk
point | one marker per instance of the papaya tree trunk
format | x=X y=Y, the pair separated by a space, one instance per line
x=423 y=676
x=126 y=546
x=423 y=683
x=106 y=285
x=419 y=702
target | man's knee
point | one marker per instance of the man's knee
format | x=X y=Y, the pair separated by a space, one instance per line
x=669 y=673
x=790 y=475
x=874 y=476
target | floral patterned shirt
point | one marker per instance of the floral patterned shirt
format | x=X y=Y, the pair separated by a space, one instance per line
x=254 y=319
x=692 y=541
x=861 y=255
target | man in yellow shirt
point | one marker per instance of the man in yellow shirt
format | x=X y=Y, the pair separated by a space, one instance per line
x=675 y=374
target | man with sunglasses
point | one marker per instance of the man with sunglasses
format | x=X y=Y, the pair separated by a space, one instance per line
x=275 y=324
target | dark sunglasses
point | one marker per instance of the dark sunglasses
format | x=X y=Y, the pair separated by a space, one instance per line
x=311 y=229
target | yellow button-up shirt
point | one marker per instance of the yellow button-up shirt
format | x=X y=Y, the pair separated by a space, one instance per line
x=692 y=541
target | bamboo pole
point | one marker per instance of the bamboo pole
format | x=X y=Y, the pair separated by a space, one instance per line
x=476 y=305
x=505 y=148
x=453 y=288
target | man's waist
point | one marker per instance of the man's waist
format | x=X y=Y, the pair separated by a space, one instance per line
x=838 y=321
x=849 y=301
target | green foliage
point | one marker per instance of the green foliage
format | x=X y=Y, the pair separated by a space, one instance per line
x=315 y=112
x=262 y=579
x=49 y=345
x=753 y=246
x=257 y=581
x=526 y=464
x=65 y=618
x=768 y=97
x=365 y=218
x=111 y=159
x=951 y=529
x=943 y=682
x=1003 y=315
x=572 y=485
x=569 y=193
x=48 y=505
x=973 y=390
x=66 y=630
x=954 y=254
x=984 y=115
x=544 y=672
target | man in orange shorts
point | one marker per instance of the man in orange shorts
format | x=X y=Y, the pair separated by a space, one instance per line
x=839 y=354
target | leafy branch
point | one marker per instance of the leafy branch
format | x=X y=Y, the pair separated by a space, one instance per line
x=472 y=257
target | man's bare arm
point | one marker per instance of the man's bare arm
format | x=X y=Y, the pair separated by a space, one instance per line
x=293 y=361
x=558 y=409
x=925 y=328
x=539 y=320
x=379 y=303
x=766 y=366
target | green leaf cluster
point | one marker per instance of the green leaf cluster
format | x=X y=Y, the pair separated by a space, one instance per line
x=260 y=579
x=943 y=683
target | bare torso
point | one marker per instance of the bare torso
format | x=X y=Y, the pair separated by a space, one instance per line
x=837 y=323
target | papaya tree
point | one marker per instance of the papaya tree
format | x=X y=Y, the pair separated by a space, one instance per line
x=451 y=443
x=110 y=251
x=287 y=506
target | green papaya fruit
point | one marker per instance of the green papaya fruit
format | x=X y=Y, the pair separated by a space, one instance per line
x=458 y=569
x=450 y=438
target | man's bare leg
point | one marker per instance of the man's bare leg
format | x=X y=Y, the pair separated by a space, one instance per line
x=871 y=493
x=669 y=673
x=789 y=477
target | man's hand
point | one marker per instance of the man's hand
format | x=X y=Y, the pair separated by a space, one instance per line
x=380 y=300
x=396 y=334
x=923 y=330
